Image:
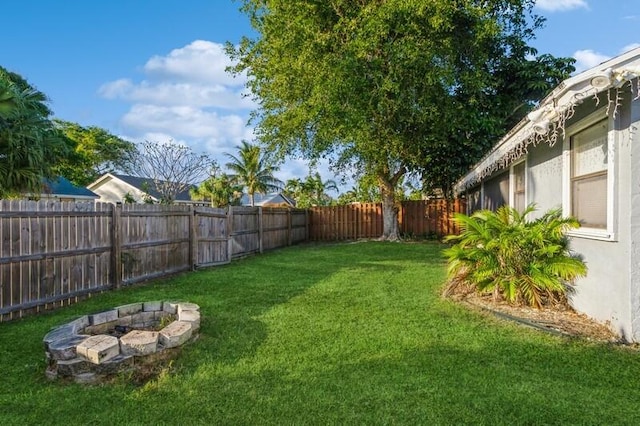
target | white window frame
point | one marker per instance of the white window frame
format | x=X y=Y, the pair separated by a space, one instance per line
x=607 y=234
x=512 y=184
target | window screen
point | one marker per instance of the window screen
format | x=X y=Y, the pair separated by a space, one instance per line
x=519 y=200
x=496 y=192
x=589 y=150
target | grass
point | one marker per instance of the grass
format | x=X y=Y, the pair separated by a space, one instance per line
x=335 y=334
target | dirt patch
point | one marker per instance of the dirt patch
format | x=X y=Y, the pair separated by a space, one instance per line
x=558 y=318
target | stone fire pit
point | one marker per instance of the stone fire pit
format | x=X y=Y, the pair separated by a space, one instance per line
x=96 y=346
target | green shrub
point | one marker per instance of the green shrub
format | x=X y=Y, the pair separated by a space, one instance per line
x=505 y=253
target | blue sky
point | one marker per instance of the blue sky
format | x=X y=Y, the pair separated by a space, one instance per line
x=154 y=69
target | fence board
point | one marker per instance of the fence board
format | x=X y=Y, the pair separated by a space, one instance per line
x=53 y=254
x=245 y=235
x=428 y=218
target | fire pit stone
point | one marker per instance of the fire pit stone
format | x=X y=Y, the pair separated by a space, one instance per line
x=94 y=346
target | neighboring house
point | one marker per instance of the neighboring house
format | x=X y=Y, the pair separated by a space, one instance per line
x=268 y=200
x=61 y=189
x=580 y=151
x=115 y=188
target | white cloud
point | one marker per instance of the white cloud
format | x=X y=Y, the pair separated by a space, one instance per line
x=561 y=5
x=202 y=61
x=168 y=93
x=187 y=122
x=586 y=59
x=186 y=96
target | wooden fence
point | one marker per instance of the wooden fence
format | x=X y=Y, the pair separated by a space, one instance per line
x=53 y=253
x=430 y=218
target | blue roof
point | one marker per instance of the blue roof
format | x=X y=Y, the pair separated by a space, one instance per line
x=63 y=187
x=262 y=199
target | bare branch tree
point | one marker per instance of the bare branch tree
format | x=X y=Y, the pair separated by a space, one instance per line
x=172 y=167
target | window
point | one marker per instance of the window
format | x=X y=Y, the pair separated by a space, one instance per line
x=589 y=169
x=496 y=192
x=519 y=201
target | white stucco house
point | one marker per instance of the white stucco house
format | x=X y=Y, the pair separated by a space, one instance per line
x=114 y=188
x=580 y=150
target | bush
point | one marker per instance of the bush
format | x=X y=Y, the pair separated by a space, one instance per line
x=505 y=253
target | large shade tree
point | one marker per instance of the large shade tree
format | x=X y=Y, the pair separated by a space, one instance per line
x=30 y=144
x=384 y=88
x=252 y=168
x=94 y=152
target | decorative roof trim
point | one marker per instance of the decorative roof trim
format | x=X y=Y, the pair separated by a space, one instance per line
x=547 y=122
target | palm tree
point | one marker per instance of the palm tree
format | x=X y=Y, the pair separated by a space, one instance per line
x=220 y=190
x=29 y=142
x=318 y=188
x=253 y=170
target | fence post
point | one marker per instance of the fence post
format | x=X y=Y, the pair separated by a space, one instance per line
x=193 y=237
x=307 y=225
x=229 y=233
x=116 y=246
x=260 y=234
x=289 y=230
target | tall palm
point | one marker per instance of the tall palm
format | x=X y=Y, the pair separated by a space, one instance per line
x=29 y=143
x=253 y=169
x=318 y=188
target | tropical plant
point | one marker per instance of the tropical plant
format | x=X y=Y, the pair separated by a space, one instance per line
x=253 y=169
x=219 y=189
x=310 y=192
x=29 y=142
x=503 y=252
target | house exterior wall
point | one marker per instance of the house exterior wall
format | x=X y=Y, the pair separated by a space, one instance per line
x=114 y=191
x=610 y=293
x=606 y=293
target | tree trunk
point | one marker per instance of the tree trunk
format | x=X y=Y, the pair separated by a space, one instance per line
x=390 y=227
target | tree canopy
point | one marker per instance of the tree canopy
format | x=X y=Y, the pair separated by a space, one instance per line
x=389 y=87
x=219 y=189
x=93 y=152
x=253 y=169
x=30 y=144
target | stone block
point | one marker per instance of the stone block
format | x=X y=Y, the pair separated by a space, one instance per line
x=98 y=349
x=170 y=307
x=159 y=315
x=139 y=342
x=130 y=309
x=51 y=374
x=126 y=321
x=175 y=334
x=58 y=333
x=86 y=378
x=103 y=328
x=115 y=365
x=152 y=306
x=142 y=317
x=72 y=367
x=187 y=307
x=80 y=323
x=102 y=317
x=65 y=348
x=190 y=316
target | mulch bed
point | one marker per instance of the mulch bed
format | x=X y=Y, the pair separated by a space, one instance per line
x=558 y=319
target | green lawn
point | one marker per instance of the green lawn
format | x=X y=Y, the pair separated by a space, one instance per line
x=335 y=334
